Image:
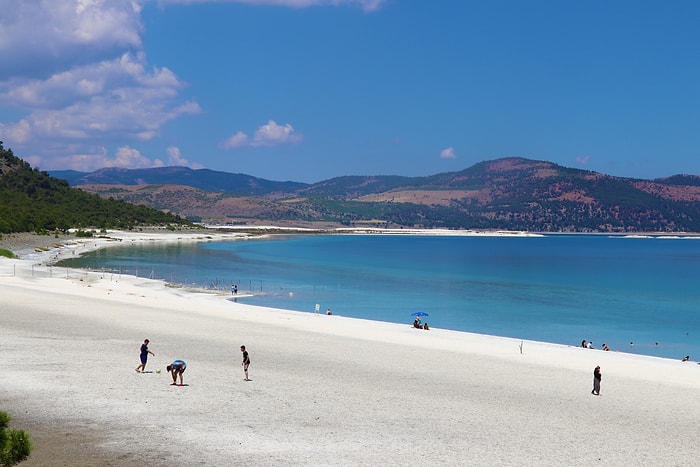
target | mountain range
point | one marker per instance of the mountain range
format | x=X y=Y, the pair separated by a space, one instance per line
x=511 y=193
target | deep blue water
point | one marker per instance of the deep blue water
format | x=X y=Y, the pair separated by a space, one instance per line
x=558 y=288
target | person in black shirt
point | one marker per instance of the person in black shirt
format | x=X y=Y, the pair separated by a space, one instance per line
x=246 y=362
x=596 y=381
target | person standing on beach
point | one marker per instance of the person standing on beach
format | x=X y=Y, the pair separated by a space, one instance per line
x=144 y=357
x=176 y=368
x=596 y=381
x=246 y=362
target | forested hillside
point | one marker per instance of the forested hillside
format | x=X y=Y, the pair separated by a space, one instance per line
x=33 y=201
x=504 y=194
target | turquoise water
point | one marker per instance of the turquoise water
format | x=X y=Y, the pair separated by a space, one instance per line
x=557 y=288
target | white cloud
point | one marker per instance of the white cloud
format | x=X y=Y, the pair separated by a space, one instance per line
x=237 y=140
x=118 y=99
x=448 y=153
x=95 y=157
x=76 y=73
x=268 y=135
x=38 y=37
x=583 y=160
x=175 y=158
x=366 y=5
x=18 y=132
x=273 y=134
x=129 y=157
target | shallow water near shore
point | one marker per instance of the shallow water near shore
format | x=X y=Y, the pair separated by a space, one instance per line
x=636 y=295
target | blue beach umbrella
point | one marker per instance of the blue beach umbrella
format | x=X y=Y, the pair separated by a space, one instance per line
x=419 y=313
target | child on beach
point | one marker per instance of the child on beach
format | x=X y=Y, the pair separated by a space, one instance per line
x=246 y=362
x=596 y=381
x=144 y=357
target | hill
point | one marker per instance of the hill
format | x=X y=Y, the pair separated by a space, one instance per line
x=33 y=201
x=511 y=193
x=204 y=179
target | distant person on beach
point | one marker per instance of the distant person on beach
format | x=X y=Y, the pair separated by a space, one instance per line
x=176 y=368
x=605 y=347
x=583 y=344
x=416 y=323
x=328 y=312
x=596 y=381
x=144 y=357
x=246 y=362
x=234 y=289
x=426 y=327
x=590 y=344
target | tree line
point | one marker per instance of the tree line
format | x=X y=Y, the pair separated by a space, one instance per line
x=33 y=201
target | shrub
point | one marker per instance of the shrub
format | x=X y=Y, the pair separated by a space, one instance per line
x=7 y=253
x=15 y=445
x=83 y=233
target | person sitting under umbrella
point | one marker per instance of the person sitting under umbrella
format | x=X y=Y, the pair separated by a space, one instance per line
x=416 y=322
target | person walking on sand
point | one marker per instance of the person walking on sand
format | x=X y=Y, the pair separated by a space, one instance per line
x=246 y=362
x=144 y=357
x=596 y=381
x=176 y=368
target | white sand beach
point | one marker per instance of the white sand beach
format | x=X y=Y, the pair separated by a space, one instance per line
x=325 y=390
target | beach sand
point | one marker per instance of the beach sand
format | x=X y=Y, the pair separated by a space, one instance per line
x=325 y=390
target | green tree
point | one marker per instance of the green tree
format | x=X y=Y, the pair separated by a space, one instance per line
x=33 y=201
x=15 y=445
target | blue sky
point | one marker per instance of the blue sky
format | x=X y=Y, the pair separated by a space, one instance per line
x=307 y=90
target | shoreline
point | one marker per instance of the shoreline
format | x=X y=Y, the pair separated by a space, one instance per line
x=325 y=390
x=45 y=248
x=46 y=251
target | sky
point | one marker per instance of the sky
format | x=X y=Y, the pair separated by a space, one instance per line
x=307 y=90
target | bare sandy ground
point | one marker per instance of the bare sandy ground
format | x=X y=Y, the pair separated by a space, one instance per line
x=325 y=390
